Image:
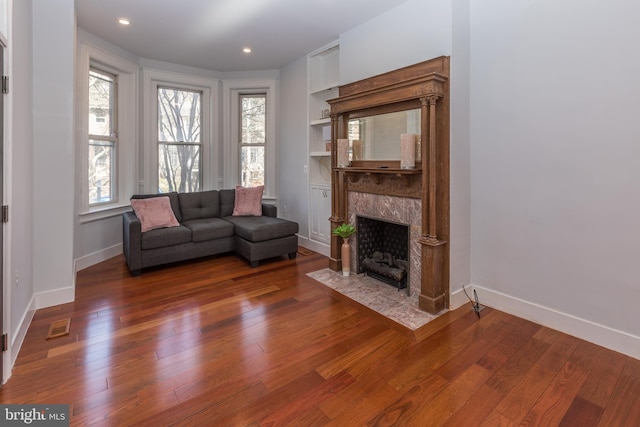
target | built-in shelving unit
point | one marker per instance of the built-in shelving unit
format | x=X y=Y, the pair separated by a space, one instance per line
x=322 y=85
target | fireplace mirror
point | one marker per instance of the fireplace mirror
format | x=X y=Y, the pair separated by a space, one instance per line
x=377 y=137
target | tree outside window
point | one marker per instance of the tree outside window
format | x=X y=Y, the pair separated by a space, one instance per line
x=103 y=136
x=179 y=140
x=253 y=132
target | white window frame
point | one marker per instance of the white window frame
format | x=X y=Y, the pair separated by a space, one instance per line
x=112 y=138
x=127 y=111
x=242 y=144
x=232 y=89
x=209 y=151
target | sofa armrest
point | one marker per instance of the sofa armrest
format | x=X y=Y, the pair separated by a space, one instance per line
x=269 y=210
x=132 y=241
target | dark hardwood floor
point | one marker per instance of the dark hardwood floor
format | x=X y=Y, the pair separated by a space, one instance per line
x=215 y=342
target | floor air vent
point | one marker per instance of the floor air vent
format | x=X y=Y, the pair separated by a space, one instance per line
x=59 y=328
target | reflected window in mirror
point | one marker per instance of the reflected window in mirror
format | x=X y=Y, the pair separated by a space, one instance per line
x=378 y=137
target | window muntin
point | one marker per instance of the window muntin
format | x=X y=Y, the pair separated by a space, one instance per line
x=179 y=140
x=103 y=137
x=253 y=131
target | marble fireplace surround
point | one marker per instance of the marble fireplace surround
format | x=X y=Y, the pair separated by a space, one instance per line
x=403 y=210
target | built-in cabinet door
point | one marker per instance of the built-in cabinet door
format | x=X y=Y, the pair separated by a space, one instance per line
x=320 y=227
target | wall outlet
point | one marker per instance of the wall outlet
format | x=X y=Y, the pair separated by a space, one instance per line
x=284 y=209
x=305 y=168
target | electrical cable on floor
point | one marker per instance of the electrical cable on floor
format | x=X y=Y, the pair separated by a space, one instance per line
x=475 y=303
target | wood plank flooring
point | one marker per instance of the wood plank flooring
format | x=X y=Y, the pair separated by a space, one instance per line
x=217 y=343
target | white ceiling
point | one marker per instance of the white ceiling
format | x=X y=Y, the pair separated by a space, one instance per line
x=211 y=33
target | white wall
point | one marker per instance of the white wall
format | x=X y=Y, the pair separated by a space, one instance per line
x=554 y=170
x=53 y=153
x=292 y=181
x=460 y=154
x=19 y=180
x=413 y=32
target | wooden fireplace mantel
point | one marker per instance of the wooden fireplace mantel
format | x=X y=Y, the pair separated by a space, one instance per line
x=423 y=86
x=355 y=173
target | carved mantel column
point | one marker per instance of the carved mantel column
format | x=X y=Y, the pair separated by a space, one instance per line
x=432 y=293
x=338 y=193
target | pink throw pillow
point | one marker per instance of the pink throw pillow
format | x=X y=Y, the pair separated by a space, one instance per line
x=154 y=212
x=248 y=201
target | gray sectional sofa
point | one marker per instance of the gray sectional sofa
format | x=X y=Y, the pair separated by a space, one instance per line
x=207 y=227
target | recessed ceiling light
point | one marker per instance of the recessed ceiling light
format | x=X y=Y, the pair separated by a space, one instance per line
x=246 y=50
x=124 y=21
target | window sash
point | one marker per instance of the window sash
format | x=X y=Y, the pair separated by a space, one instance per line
x=173 y=119
x=102 y=172
x=253 y=140
x=179 y=139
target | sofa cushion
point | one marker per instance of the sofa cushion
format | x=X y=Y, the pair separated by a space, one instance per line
x=248 y=201
x=173 y=199
x=261 y=228
x=227 y=200
x=209 y=229
x=198 y=205
x=163 y=237
x=154 y=212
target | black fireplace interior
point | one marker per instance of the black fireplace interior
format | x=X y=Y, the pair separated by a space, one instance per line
x=383 y=250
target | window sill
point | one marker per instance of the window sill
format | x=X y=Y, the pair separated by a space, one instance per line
x=103 y=212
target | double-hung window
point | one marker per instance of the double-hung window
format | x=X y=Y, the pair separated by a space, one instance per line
x=179 y=140
x=107 y=120
x=103 y=137
x=253 y=134
x=249 y=133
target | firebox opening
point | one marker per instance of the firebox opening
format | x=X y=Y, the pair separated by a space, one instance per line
x=383 y=250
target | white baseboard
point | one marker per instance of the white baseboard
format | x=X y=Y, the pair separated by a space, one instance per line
x=604 y=336
x=96 y=257
x=321 y=248
x=18 y=338
x=457 y=299
x=55 y=297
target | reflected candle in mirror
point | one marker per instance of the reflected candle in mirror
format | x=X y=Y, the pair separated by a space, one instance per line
x=358 y=150
x=407 y=151
x=343 y=153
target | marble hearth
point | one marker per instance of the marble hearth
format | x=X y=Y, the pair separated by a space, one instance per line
x=378 y=296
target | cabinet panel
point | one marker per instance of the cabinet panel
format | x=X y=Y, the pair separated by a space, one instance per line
x=320 y=211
